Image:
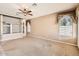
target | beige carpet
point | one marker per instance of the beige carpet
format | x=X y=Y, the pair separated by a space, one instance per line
x=31 y=46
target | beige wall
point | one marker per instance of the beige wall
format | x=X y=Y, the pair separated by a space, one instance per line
x=47 y=26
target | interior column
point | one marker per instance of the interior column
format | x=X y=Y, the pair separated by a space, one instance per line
x=1 y=26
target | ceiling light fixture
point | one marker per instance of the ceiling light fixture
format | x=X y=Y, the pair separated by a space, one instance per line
x=34 y=4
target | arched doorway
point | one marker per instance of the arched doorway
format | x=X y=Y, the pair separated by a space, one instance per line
x=28 y=27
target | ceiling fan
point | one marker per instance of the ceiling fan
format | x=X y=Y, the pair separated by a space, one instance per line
x=25 y=12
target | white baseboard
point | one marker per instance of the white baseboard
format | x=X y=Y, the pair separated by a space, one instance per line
x=47 y=38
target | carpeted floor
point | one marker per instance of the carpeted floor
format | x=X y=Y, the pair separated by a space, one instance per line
x=31 y=46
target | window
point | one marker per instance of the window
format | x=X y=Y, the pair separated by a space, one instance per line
x=65 y=26
x=11 y=24
x=6 y=28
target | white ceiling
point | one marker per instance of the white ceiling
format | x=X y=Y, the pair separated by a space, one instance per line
x=40 y=10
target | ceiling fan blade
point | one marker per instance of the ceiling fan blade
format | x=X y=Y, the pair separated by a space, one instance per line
x=30 y=11
x=20 y=10
x=24 y=11
x=30 y=14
